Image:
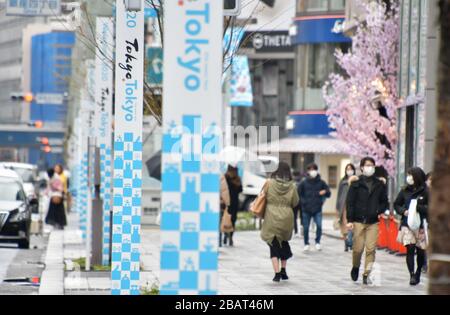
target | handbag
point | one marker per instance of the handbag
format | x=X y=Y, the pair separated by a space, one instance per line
x=226 y=225
x=258 y=206
x=413 y=216
x=57 y=200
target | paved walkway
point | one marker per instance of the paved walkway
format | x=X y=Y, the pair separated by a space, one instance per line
x=246 y=268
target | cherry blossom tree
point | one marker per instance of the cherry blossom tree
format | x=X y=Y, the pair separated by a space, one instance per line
x=363 y=99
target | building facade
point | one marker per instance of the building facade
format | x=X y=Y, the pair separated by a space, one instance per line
x=34 y=58
x=419 y=49
x=316 y=34
x=267 y=44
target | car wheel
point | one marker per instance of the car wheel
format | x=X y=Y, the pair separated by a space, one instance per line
x=24 y=244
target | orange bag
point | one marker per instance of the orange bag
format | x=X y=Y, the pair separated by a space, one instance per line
x=258 y=206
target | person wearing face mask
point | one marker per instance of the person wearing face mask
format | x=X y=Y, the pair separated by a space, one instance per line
x=313 y=192
x=366 y=201
x=344 y=184
x=415 y=241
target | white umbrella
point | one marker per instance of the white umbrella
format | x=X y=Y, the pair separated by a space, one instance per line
x=232 y=155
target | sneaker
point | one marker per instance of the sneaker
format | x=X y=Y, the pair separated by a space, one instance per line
x=277 y=277
x=354 y=274
x=367 y=280
x=306 y=248
x=318 y=247
x=283 y=274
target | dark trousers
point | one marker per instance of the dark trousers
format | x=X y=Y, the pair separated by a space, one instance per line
x=317 y=217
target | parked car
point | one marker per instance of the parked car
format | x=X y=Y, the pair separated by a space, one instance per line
x=28 y=173
x=15 y=210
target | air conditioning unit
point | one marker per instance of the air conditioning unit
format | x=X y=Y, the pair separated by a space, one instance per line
x=133 y=5
x=232 y=7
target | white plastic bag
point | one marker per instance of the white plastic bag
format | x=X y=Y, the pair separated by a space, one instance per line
x=413 y=216
x=158 y=219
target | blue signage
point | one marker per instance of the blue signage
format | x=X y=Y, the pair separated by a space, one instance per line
x=311 y=30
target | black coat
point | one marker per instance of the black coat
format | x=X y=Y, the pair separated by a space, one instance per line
x=364 y=206
x=404 y=198
x=234 y=190
x=309 y=192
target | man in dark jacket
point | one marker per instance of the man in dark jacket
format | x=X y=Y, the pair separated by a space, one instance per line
x=313 y=192
x=366 y=201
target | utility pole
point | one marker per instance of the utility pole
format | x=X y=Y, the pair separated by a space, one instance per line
x=440 y=201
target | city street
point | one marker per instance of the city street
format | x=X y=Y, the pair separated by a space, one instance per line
x=18 y=265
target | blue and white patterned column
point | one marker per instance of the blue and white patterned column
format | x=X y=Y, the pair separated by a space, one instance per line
x=128 y=120
x=104 y=103
x=191 y=145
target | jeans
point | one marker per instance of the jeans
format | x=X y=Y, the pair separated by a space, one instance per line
x=349 y=239
x=317 y=217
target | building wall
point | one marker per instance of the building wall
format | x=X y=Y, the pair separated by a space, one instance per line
x=332 y=169
x=11 y=64
x=417 y=85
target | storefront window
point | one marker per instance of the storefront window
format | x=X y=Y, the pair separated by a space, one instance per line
x=311 y=6
x=316 y=64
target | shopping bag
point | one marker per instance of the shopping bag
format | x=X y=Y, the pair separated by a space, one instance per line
x=413 y=216
x=226 y=225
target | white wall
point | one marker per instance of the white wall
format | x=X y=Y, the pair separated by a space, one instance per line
x=280 y=17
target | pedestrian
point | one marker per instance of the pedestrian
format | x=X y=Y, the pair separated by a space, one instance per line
x=350 y=170
x=414 y=240
x=278 y=222
x=429 y=180
x=56 y=215
x=429 y=183
x=366 y=201
x=297 y=210
x=313 y=192
x=224 y=204
x=59 y=170
x=235 y=188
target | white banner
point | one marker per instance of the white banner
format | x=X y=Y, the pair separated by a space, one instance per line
x=127 y=192
x=104 y=103
x=191 y=144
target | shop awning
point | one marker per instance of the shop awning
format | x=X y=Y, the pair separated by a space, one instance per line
x=320 y=145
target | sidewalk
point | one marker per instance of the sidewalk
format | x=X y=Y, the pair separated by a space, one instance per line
x=244 y=269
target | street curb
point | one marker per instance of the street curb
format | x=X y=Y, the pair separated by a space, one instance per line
x=52 y=279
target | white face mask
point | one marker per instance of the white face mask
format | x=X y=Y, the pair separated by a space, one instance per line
x=313 y=174
x=350 y=173
x=369 y=171
x=410 y=180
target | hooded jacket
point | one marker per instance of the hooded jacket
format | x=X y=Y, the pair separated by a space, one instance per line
x=278 y=222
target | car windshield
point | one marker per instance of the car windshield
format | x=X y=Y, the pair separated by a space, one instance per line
x=26 y=174
x=11 y=191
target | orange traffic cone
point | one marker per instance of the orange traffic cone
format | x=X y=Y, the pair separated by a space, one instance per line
x=383 y=234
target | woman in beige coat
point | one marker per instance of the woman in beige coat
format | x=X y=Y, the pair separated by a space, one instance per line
x=278 y=223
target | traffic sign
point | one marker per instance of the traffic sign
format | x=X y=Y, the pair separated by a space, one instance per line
x=33 y=7
x=49 y=98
